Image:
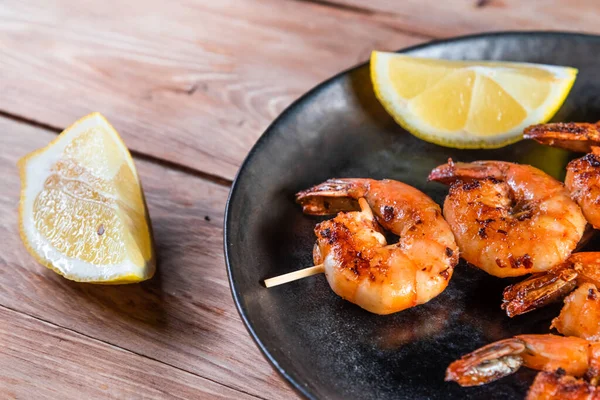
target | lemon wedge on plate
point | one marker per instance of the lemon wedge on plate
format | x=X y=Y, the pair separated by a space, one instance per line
x=82 y=211
x=465 y=104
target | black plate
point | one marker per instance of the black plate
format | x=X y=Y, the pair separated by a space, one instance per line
x=327 y=347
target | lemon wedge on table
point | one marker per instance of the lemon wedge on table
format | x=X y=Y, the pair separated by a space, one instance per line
x=82 y=210
x=465 y=104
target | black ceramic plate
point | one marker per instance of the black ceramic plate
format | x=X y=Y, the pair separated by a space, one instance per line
x=326 y=347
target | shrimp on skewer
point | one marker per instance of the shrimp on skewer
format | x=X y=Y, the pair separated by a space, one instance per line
x=509 y=219
x=583 y=174
x=575 y=356
x=359 y=264
x=547 y=287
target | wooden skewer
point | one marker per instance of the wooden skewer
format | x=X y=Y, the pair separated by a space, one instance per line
x=317 y=269
x=364 y=207
x=293 y=276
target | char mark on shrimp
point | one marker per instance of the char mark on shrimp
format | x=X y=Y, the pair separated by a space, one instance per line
x=592 y=159
x=470 y=185
x=445 y=273
x=522 y=261
x=388 y=213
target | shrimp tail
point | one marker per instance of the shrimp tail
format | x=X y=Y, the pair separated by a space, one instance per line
x=488 y=363
x=333 y=196
x=457 y=171
x=547 y=287
x=575 y=136
x=538 y=291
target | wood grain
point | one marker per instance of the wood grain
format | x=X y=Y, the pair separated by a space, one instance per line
x=183 y=317
x=192 y=82
x=459 y=17
x=39 y=360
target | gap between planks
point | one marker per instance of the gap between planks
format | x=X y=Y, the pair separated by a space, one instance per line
x=343 y=7
x=127 y=350
x=373 y=13
x=219 y=180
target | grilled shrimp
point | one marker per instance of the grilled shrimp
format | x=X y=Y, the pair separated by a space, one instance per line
x=583 y=174
x=547 y=287
x=558 y=386
x=509 y=219
x=575 y=356
x=580 y=315
x=359 y=264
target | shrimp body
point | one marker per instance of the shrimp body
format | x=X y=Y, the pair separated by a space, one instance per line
x=583 y=174
x=558 y=386
x=580 y=315
x=359 y=264
x=583 y=181
x=509 y=219
x=575 y=356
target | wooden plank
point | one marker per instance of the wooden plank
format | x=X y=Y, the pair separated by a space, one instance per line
x=192 y=82
x=459 y=17
x=184 y=316
x=39 y=360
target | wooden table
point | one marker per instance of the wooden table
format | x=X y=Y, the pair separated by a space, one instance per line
x=190 y=85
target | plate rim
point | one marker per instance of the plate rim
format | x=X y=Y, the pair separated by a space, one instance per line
x=292 y=378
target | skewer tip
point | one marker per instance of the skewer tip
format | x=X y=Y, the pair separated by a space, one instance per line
x=293 y=276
